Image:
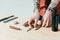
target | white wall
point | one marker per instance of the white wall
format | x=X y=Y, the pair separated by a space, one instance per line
x=22 y=8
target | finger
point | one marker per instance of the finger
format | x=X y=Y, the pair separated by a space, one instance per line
x=50 y=21
x=38 y=27
x=29 y=22
x=43 y=23
x=47 y=23
x=35 y=24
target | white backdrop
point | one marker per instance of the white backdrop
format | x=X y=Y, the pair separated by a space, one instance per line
x=22 y=8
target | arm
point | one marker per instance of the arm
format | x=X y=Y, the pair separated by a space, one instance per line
x=53 y=4
x=36 y=5
x=47 y=18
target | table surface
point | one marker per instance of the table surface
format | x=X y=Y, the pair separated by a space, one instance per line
x=6 y=33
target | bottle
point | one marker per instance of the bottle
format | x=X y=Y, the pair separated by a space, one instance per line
x=54 y=20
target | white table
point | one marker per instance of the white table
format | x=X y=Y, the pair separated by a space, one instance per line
x=7 y=33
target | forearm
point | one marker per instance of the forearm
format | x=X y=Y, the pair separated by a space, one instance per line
x=36 y=5
x=53 y=4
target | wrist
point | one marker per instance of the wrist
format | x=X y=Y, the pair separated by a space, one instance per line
x=36 y=11
x=53 y=10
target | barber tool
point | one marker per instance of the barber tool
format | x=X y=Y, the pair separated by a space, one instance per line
x=29 y=29
x=38 y=25
x=10 y=19
x=13 y=27
x=6 y=18
x=26 y=24
x=54 y=20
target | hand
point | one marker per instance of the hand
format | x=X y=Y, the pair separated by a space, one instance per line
x=34 y=19
x=47 y=19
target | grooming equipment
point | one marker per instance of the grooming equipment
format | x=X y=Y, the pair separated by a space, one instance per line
x=10 y=19
x=6 y=18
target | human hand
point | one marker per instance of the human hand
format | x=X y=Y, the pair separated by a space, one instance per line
x=34 y=19
x=47 y=19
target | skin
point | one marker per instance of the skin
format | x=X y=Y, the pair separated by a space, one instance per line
x=35 y=18
x=47 y=18
x=35 y=15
